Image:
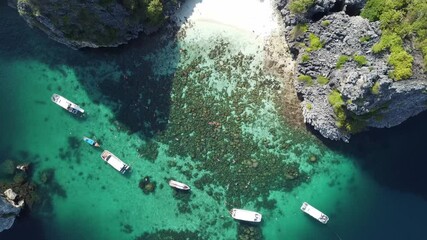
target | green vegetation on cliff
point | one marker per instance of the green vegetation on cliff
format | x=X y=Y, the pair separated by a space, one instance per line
x=315 y=43
x=155 y=11
x=364 y=39
x=360 y=59
x=375 y=88
x=337 y=103
x=400 y=20
x=300 y=6
x=82 y=20
x=299 y=30
x=325 y=23
x=305 y=78
x=305 y=58
x=341 y=61
x=150 y=11
x=346 y=121
x=322 y=80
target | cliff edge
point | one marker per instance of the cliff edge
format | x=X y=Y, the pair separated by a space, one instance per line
x=9 y=209
x=346 y=80
x=95 y=23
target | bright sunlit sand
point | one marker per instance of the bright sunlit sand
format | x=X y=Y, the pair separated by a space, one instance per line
x=250 y=15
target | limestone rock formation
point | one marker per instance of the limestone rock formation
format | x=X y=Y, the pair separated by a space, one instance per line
x=344 y=86
x=94 y=23
x=9 y=209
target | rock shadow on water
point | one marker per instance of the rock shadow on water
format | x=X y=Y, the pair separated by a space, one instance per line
x=138 y=91
x=28 y=227
x=140 y=97
x=394 y=157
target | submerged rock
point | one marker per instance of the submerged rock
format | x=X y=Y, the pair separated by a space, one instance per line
x=146 y=185
x=7 y=167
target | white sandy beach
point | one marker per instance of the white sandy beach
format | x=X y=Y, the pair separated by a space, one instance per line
x=249 y=15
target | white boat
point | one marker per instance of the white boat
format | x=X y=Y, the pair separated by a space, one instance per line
x=114 y=161
x=310 y=210
x=178 y=185
x=245 y=215
x=67 y=104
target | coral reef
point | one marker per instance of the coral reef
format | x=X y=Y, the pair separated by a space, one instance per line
x=147 y=186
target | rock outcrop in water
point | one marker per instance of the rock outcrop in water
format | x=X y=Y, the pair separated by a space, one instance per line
x=345 y=87
x=9 y=209
x=95 y=23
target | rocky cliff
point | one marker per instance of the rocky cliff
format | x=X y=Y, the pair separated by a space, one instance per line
x=95 y=23
x=345 y=88
x=8 y=210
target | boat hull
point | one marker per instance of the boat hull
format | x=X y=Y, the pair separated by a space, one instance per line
x=316 y=214
x=179 y=185
x=67 y=104
x=91 y=142
x=245 y=215
x=114 y=161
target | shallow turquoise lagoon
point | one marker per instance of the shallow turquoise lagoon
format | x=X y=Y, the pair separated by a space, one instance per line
x=198 y=107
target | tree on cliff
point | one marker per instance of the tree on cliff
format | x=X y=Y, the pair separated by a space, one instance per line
x=401 y=20
x=97 y=23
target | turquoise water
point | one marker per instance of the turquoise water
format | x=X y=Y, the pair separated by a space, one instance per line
x=152 y=103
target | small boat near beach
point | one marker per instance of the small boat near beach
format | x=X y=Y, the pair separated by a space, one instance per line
x=178 y=185
x=114 y=161
x=91 y=142
x=312 y=211
x=67 y=104
x=245 y=215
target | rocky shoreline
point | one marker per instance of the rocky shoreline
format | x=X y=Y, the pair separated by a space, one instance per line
x=345 y=88
x=94 y=24
x=9 y=210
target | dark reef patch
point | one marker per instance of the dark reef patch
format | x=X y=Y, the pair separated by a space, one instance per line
x=207 y=129
x=149 y=150
x=248 y=231
x=171 y=235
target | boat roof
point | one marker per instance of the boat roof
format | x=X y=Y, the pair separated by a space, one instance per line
x=88 y=140
x=246 y=215
x=312 y=211
x=65 y=103
x=61 y=101
x=114 y=161
x=181 y=185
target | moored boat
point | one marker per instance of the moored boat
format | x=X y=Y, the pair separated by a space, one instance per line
x=178 y=185
x=67 y=104
x=245 y=215
x=312 y=211
x=91 y=142
x=114 y=161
